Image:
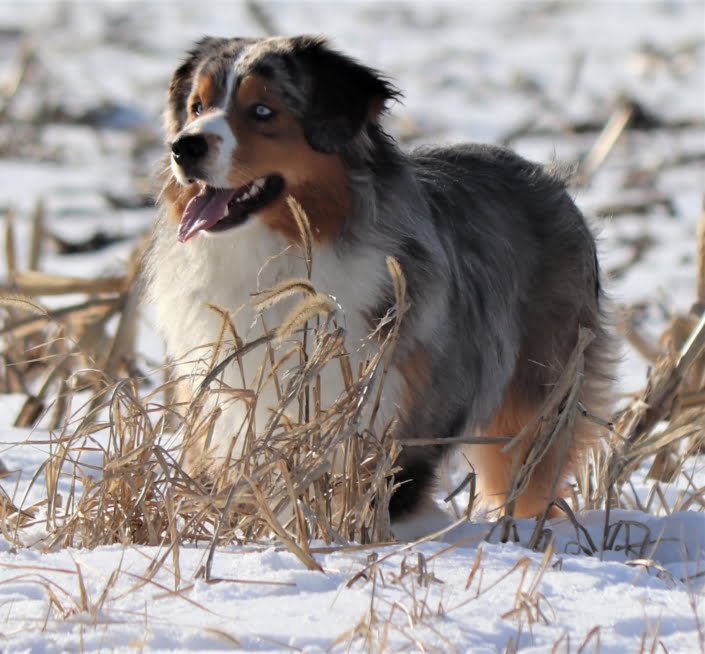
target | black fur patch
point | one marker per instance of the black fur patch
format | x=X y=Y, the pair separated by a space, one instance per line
x=418 y=474
x=412 y=485
x=343 y=94
x=415 y=250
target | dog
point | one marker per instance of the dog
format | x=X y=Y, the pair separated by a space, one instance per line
x=500 y=266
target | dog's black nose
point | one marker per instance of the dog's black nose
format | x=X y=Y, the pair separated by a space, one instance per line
x=189 y=149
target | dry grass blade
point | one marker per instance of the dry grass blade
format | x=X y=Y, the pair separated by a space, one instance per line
x=304 y=227
x=23 y=303
x=10 y=247
x=613 y=129
x=37 y=283
x=121 y=348
x=319 y=304
x=399 y=281
x=700 y=258
x=12 y=517
x=85 y=312
x=302 y=554
x=245 y=349
x=281 y=291
x=35 y=244
x=453 y=440
x=643 y=345
x=261 y=17
x=21 y=69
x=205 y=571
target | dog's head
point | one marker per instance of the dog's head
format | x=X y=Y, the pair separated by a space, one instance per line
x=250 y=122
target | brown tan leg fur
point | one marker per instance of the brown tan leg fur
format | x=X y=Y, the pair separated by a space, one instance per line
x=494 y=467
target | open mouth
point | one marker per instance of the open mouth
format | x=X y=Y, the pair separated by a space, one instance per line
x=218 y=209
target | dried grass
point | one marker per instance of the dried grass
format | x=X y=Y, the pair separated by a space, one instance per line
x=115 y=471
x=317 y=472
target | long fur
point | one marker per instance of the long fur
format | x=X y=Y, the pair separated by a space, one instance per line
x=500 y=265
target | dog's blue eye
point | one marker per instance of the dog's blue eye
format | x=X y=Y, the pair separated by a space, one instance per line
x=262 y=112
x=196 y=108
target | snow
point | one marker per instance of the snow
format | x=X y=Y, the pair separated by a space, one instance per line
x=264 y=600
x=469 y=71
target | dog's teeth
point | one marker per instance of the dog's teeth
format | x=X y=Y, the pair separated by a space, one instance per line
x=254 y=189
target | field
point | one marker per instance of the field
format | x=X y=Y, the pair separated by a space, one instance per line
x=105 y=543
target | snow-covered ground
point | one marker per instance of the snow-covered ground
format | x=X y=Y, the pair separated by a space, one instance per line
x=422 y=599
x=520 y=73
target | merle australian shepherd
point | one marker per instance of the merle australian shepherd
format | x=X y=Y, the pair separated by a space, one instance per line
x=500 y=265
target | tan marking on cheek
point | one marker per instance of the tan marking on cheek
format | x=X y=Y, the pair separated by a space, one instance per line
x=319 y=187
x=278 y=146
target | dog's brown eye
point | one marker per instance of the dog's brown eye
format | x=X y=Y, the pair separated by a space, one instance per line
x=261 y=112
x=197 y=108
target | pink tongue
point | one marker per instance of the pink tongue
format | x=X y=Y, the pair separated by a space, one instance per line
x=203 y=211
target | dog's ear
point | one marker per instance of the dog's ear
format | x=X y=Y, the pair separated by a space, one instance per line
x=345 y=95
x=181 y=81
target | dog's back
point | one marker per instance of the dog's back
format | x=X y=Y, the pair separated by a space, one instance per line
x=522 y=279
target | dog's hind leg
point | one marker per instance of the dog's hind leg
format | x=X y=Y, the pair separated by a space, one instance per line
x=494 y=467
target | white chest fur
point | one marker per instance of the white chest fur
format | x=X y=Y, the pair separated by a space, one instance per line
x=224 y=270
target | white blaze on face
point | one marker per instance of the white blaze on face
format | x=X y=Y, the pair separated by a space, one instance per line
x=221 y=141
